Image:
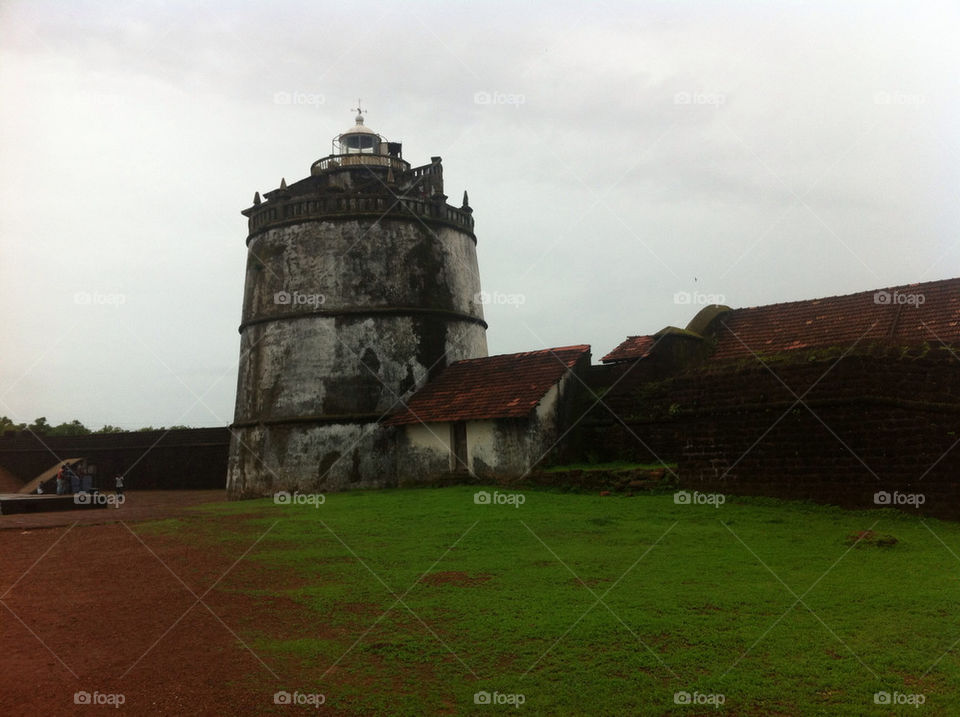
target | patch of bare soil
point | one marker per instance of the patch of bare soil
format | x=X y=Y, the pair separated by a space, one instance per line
x=456 y=577
x=165 y=625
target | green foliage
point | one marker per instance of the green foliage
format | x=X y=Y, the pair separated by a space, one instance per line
x=74 y=428
x=7 y=424
x=109 y=429
x=39 y=426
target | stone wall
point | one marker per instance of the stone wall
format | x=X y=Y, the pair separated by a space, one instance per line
x=185 y=458
x=866 y=425
x=627 y=419
x=883 y=422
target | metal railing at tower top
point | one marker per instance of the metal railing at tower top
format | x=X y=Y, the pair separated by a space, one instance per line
x=339 y=161
x=306 y=208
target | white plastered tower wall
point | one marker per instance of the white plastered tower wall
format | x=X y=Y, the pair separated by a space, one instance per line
x=361 y=283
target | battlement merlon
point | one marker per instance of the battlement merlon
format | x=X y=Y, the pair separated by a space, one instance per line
x=381 y=185
x=294 y=205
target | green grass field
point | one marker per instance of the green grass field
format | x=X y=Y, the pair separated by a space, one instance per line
x=580 y=604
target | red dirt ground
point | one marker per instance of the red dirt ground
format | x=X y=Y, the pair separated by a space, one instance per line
x=96 y=608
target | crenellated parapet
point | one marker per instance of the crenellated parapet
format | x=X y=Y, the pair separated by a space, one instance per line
x=282 y=209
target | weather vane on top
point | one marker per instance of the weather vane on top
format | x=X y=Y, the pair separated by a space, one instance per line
x=360 y=112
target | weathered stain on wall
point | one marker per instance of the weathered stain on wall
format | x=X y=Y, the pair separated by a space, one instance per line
x=357 y=291
x=497 y=448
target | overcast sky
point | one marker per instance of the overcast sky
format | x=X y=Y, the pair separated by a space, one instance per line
x=616 y=155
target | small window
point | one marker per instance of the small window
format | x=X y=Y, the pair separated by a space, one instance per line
x=360 y=144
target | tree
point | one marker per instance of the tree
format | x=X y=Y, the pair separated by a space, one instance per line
x=107 y=428
x=7 y=424
x=74 y=428
x=40 y=426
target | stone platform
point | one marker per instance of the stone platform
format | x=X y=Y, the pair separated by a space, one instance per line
x=23 y=503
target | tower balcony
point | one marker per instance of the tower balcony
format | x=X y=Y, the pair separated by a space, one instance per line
x=280 y=212
x=339 y=161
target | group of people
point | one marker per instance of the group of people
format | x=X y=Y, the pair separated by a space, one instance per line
x=69 y=480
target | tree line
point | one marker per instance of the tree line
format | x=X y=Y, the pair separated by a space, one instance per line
x=72 y=428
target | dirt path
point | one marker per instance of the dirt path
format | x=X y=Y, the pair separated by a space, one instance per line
x=101 y=610
x=138 y=505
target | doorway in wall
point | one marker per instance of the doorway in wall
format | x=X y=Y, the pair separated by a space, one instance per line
x=458 y=444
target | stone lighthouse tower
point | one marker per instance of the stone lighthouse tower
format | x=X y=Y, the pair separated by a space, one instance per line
x=361 y=284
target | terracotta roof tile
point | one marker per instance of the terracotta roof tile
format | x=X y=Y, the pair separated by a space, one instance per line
x=905 y=315
x=504 y=386
x=635 y=347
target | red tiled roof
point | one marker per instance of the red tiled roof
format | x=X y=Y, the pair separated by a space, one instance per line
x=505 y=386
x=903 y=315
x=635 y=347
